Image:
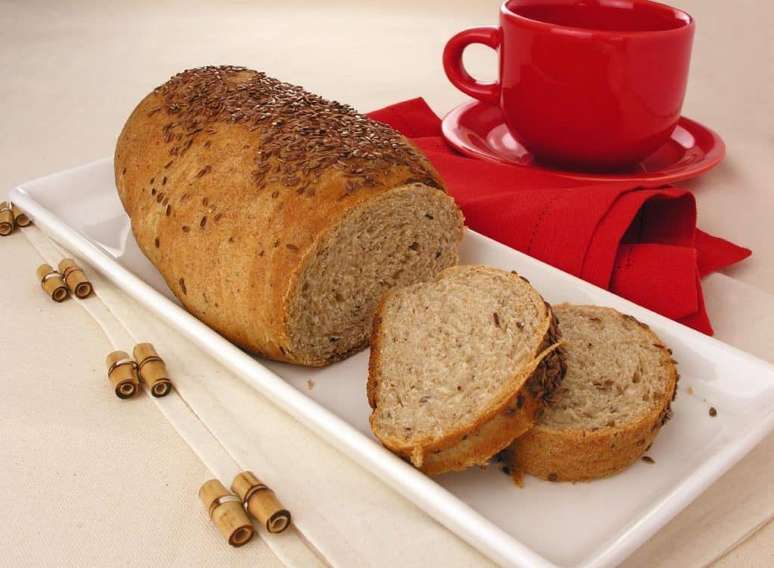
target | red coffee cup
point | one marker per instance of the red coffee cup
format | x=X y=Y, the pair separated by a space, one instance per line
x=591 y=84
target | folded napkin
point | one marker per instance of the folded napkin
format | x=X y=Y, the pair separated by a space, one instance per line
x=642 y=244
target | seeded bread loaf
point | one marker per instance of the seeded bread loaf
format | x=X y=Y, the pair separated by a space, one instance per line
x=615 y=397
x=460 y=366
x=277 y=217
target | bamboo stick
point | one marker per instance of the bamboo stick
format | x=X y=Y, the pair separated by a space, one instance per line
x=152 y=369
x=225 y=511
x=122 y=373
x=75 y=278
x=20 y=217
x=259 y=500
x=52 y=283
x=7 y=224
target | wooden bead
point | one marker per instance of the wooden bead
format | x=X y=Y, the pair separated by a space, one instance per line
x=7 y=224
x=226 y=512
x=261 y=502
x=75 y=278
x=152 y=369
x=122 y=373
x=52 y=283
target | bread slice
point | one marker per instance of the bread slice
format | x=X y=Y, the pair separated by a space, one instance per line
x=460 y=366
x=614 y=399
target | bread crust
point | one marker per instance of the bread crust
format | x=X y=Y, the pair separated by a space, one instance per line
x=230 y=239
x=582 y=454
x=496 y=427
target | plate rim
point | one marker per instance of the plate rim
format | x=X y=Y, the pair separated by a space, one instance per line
x=423 y=491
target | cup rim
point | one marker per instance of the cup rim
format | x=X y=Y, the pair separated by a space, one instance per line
x=541 y=25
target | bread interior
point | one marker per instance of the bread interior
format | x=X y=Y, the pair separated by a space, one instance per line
x=404 y=236
x=615 y=370
x=451 y=349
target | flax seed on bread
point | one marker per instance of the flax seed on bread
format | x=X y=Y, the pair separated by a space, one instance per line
x=615 y=397
x=460 y=366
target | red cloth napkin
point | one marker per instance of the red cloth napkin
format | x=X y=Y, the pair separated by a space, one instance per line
x=642 y=244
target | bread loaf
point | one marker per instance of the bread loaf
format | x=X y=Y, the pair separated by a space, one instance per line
x=277 y=217
x=615 y=397
x=460 y=366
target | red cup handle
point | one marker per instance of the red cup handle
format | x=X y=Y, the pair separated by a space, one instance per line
x=455 y=70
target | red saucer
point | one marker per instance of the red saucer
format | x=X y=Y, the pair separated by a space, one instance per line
x=477 y=130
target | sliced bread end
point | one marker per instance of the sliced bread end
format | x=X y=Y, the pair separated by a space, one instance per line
x=616 y=395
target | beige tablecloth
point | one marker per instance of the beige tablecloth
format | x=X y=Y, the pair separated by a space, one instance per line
x=88 y=480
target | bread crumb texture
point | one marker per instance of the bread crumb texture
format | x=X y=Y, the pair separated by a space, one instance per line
x=450 y=347
x=615 y=372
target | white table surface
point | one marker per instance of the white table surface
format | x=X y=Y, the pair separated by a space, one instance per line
x=70 y=75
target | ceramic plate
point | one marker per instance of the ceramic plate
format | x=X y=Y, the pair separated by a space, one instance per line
x=477 y=129
x=543 y=524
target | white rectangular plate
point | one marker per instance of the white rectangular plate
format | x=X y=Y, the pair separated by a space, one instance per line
x=543 y=524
